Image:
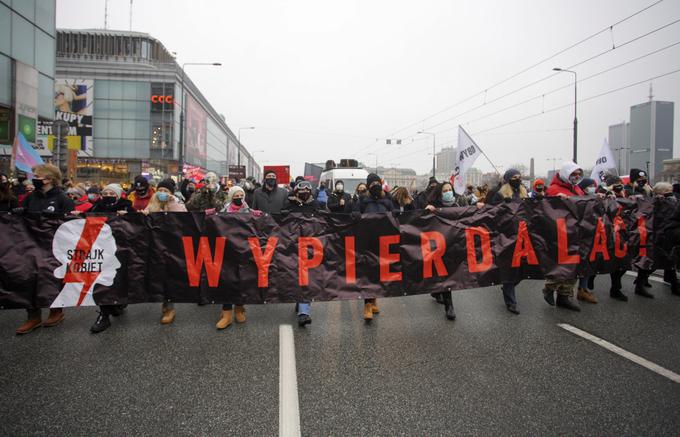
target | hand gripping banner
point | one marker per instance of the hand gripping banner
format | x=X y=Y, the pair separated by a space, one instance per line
x=239 y=258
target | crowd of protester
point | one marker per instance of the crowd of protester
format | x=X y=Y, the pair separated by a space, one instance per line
x=47 y=193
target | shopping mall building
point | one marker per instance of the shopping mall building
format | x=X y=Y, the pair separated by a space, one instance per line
x=121 y=94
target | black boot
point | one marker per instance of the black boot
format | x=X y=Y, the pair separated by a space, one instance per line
x=564 y=301
x=438 y=297
x=615 y=293
x=304 y=319
x=549 y=296
x=675 y=288
x=640 y=290
x=512 y=308
x=591 y=282
x=118 y=310
x=448 y=305
x=101 y=324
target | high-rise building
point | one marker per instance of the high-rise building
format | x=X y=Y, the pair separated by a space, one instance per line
x=445 y=162
x=27 y=70
x=651 y=136
x=619 y=144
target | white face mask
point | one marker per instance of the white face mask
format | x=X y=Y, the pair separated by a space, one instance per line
x=590 y=190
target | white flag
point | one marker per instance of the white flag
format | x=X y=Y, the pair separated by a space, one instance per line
x=465 y=155
x=605 y=164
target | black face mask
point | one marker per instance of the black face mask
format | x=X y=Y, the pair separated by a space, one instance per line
x=375 y=190
x=304 y=196
x=38 y=184
x=539 y=190
x=238 y=201
x=271 y=183
x=190 y=190
x=667 y=195
x=641 y=183
x=361 y=193
x=109 y=200
x=141 y=191
x=515 y=183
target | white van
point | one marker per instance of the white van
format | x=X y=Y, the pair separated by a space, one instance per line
x=348 y=172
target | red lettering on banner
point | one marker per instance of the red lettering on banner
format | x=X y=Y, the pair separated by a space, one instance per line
x=304 y=262
x=263 y=260
x=387 y=258
x=203 y=257
x=433 y=257
x=487 y=256
x=600 y=243
x=350 y=260
x=620 y=250
x=642 y=228
x=563 y=255
x=523 y=247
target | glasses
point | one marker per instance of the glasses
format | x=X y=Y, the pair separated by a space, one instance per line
x=303 y=185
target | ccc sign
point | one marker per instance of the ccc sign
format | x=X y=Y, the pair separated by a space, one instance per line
x=161 y=99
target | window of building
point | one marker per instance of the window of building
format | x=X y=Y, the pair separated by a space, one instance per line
x=44 y=15
x=44 y=53
x=23 y=40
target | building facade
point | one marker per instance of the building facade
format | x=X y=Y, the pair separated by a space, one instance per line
x=619 y=143
x=27 y=70
x=651 y=136
x=122 y=95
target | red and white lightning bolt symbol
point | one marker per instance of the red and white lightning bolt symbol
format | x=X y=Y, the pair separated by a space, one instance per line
x=93 y=225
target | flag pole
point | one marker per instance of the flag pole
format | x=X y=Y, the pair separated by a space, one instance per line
x=480 y=149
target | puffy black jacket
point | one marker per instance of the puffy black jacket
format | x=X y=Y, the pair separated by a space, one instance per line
x=334 y=202
x=293 y=204
x=121 y=205
x=52 y=202
x=371 y=204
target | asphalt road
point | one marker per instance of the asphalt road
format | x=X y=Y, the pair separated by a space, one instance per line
x=410 y=372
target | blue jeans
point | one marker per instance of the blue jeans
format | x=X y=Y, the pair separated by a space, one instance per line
x=583 y=282
x=304 y=308
x=509 y=293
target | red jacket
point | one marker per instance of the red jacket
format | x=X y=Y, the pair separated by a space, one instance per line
x=558 y=186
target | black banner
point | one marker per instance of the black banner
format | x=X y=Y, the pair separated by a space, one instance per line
x=239 y=258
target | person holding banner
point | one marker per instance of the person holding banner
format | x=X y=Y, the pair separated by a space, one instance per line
x=48 y=198
x=564 y=184
x=587 y=284
x=443 y=196
x=512 y=189
x=613 y=187
x=538 y=191
x=639 y=187
x=301 y=200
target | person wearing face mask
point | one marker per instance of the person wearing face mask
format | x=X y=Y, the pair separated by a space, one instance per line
x=586 y=285
x=665 y=203
x=564 y=184
x=402 y=199
x=80 y=200
x=110 y=201
x=236 y=204
x=249 y=189
x=18 y=188
x=538 y=191
x=338 y=200
x=443 y=196
x=511 y=190
x=360 y=191
x=47 y=199
x=270 y=198
x=422 y=199
x=141 y=194
x=301 y=200
x=93 y=194
x=613 y=189
x=187 y=188
x=8 y=200
x=638 y=184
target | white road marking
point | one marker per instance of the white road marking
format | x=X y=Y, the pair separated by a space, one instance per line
x=622 y=352
x=651 y=277
x=289 y=409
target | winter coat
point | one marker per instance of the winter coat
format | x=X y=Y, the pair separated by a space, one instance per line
x=293 y=204
x=139 y=203
x=271 y=202
x=635 y=190
x=334 y=202
x=174 y=206
x=369 y=204
x=507 y=192
x=9 y=204
x=559 y=186
x=205 y=198
x=54 y=202
x=121 y=205
x=421 y=199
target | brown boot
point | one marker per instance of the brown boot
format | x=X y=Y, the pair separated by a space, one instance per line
x=240 y=312
x=56 y=317
x=28 y=326
x=374 y=306
x=225 y=319
x=586 y=296
x=168 y=316
x=368 y=311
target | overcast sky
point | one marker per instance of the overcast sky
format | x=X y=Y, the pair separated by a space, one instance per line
x=332 y=79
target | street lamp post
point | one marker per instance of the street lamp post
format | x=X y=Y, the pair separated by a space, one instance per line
x=434 y=143
x=181 y=115
x=238 y=159
x=575 y=100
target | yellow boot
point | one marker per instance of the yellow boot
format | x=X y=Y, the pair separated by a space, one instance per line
x=375 y=309
x=168 y=315
x=225 y=320
x=240 y=312
x=368 y=311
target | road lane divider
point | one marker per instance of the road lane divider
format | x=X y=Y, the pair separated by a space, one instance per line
x=289 y=408
x=622 y=352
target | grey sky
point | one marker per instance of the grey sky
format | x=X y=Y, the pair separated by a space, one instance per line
x=324 y=79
